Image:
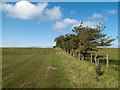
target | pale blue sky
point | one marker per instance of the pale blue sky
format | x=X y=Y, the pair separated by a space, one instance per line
x=33 y=24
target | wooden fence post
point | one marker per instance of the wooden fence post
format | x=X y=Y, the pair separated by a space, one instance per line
x=107 y=61
x=98 y=62
x=95 y=60
x=79 y=56
x=91 y=57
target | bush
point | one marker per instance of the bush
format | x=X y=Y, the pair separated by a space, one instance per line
x=98 y=70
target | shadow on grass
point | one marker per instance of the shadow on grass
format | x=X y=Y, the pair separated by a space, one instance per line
x=111 y=61
x=102 y=59
x=98 y=70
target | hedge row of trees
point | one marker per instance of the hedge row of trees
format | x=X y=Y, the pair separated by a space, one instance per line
x=83 y=39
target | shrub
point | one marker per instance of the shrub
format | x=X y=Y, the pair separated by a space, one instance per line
x=98 y=70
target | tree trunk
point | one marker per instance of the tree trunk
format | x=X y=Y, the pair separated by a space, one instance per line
x=107 y=61
x=79 y=56
x=83 y=57
x=71 y=52
x=91 y=57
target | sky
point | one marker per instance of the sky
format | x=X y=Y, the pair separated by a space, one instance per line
x=30 y=24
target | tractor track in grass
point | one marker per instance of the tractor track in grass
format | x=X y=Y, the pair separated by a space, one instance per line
x=19 y=64
x=36 y=74
x=42 y=71
x=24 y=64
x=16 y=77
x=39 y=71
x=54 y=81
x=18 y=56
x=36 y=71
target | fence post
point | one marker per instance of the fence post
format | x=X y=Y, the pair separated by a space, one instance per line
x=98 y=62
x=91 y=57
x=107 y=61
x=95 y=60
x=79 y=56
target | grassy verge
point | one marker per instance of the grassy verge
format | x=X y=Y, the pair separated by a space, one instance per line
x=82 y=74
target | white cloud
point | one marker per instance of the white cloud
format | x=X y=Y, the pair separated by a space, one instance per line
x=115 y=45
x=54 y=13
x=63 y=24
x=95 y=15
x=87 y=23
x=24 y=9
x=27 y=10
x=112 y=11
x=60 y=26
x=70 y=21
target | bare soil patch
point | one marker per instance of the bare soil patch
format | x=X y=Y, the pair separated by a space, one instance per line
x=52 y=68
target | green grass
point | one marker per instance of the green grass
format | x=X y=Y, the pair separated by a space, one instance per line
x=82 y=74
x=102 y=52
x=112 y=52
x=28 y=68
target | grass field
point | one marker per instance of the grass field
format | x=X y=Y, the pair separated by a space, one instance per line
x=102 y=52
x=30 y=68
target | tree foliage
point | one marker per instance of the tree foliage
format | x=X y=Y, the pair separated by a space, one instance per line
x=84 y=39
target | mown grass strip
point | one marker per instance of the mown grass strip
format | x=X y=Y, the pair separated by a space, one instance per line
x=82 y=74
x=19 y=73
x=54 y=78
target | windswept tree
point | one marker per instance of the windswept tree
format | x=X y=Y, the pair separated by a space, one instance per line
x=84 y=39
x=91 y=37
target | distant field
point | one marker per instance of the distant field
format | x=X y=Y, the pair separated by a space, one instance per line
x=53 y=68
x=112 y=53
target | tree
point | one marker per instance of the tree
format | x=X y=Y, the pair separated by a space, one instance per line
x=84 y=39
x=60 y=42
x=73 y=43
x=91 y=37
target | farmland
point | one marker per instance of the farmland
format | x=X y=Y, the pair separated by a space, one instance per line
x=54 y=68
